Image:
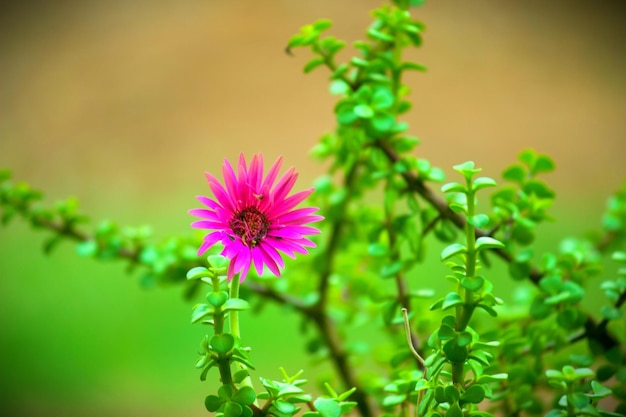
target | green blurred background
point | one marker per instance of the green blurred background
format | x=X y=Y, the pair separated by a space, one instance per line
x=124 y=104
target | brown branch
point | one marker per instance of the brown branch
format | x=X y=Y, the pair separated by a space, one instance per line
x=335 y=234
x=317 y=313
x=403 y=298
x=339 y=357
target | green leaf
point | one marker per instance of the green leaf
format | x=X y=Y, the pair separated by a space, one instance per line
x=453 y=187
x=486 y=379
x=599 y=390
x=474 y=394
x=619 y=256
x=467 y=169
x=464 y=339
x=345 y=113
x=364 y=111
x=390 y=270
x=218 y=263
x=339 y=87
x=405 y=143
x=327 y=407
x=483 y=182
x=611 y=313
x=446 y=332
x=473 y=283
x=232 y=409
x=383 y=122
x=528 y=156
x=478 y=220
x=543 y=163
x=246 y=411
x=313 y=63
x=285 y=407
x=377 y=249
x=200 y=311
x=225 y=392
x=519 y=270
x=393 y=400
x=331 y=45
x=436 y=175
x=322 y=24
x=222 y=343
x=486 y=242
x=451 y=394
x=213 y=403
x=515 y=173
x=380 y=36
x=87 y=248
x=538 y=188
x=454 y=411
x=340 y=71
x=235 y=304
x=359 y=62
x=453 y=250
x=382 y=98
x=217 y=298
x=539 y=309
x=245 y=395
x=414 y=66
x=488 y=309
x=450 y=300
x=198 y=272
x=240 y=375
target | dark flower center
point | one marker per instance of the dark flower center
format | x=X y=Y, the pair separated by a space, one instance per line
x=250 y=225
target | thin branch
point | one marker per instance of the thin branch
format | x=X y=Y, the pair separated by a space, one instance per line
x=334 y=236
x=339 y=357
x=326 y=327
x=409 y=341
x=404 y=300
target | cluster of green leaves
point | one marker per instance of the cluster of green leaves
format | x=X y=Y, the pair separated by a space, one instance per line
x=580 y=397
x=236 y=397
x=457 y=347
x=158 y=263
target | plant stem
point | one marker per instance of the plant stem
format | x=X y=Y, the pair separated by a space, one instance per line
x=233 y=317
x=464 y=311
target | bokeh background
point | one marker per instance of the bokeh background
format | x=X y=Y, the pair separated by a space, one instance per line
x=124 y=105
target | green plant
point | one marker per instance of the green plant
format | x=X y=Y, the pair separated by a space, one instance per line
x=463 y=352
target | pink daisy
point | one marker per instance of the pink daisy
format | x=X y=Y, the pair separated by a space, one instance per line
x=253 y=218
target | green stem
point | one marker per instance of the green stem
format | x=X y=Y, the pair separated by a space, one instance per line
x=571 y=411
x=234 y=315
x=234 y=328
x=464 y=311
x=218 y=316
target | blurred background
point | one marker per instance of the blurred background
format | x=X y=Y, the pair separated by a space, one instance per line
x=124 y=105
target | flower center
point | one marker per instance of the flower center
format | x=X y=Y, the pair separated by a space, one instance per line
x=250 y=225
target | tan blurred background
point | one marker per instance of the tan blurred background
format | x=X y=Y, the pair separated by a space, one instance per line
x=124 y=104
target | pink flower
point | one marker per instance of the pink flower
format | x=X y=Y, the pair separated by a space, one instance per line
x=253 y=218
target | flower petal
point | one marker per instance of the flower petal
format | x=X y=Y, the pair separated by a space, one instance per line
x=269 y=261
x=284 y=185
x=219 y=192
x=291 y=202
x=271 y=176
x=208 y=202
x=206 y=224
x=257 y=258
